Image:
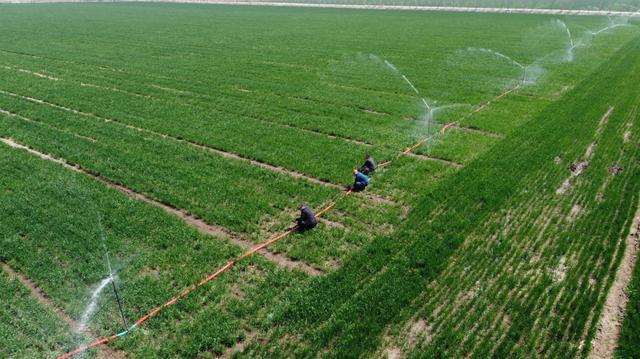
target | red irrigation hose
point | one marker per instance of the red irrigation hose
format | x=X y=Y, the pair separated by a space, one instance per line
x=206 y=280
x=248 y=253
x=222 y=269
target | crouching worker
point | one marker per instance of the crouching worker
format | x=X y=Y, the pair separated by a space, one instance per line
x=307 y=219
x=369 y=166
x=361 y=181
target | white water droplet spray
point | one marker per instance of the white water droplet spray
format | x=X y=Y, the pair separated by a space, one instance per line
x=93 y=304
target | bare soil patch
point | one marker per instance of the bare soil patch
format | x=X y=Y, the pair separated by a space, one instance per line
x=559 y=273
x=394 y=353
x=614 y=170
x=574 y=213
x=419 y=331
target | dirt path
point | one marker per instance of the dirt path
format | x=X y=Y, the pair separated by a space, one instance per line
x=197 y=223
x=223 y=153
x=610 y=323
x=471 y=130
x=434 y=159
x=42 y=299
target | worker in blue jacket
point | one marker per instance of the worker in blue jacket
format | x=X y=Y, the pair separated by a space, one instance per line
x=361 y=181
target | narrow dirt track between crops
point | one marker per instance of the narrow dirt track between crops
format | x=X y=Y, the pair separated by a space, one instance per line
x=605 y=342
x=469 y=129
x=223 y=153
x=42 y=299
x=488 y=103
x=433 y=159
x=197 y=223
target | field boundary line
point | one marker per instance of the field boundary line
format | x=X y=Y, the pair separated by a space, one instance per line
x=42 y=299
x=197 y=223
x=610 y=322
x=540 y=11
x=220 y=152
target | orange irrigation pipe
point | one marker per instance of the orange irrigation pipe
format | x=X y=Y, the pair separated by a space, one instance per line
x=191 y=289
x=221 y=270
x=446 y=127
x=250 y=252
x=488 y=103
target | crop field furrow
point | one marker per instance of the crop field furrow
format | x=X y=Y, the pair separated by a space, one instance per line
x=320 y=130
x=255 y=134
x=148 y=150
x=290 y=248
x=435 y=159
x=243 y=109
x=18 y=333
x=474 y=130
x=37 y=294
x=84 y=71
x=140 y=278
x=41 y=298
x=176 y=139
x=12 y=114
x=375 y=197
x=196 y=223
x=84 y=125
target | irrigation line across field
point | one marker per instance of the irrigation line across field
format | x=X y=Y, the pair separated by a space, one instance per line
x=228 y=265
x=210 y=277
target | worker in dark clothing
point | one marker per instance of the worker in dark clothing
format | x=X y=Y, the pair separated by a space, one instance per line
x=361 y=181
x=369 y=166
x=307 y=219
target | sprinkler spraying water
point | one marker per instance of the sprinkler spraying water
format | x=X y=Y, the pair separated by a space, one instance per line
x=93 y=304
x=612 y=24
x=410 y=84
x=572 y=44
x=110 y=268
x=524 y=68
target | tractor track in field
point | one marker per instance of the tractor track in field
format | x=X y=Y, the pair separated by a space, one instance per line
x=39 y=295
x=613 y=313
x=197 y=223
x=218 y=151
